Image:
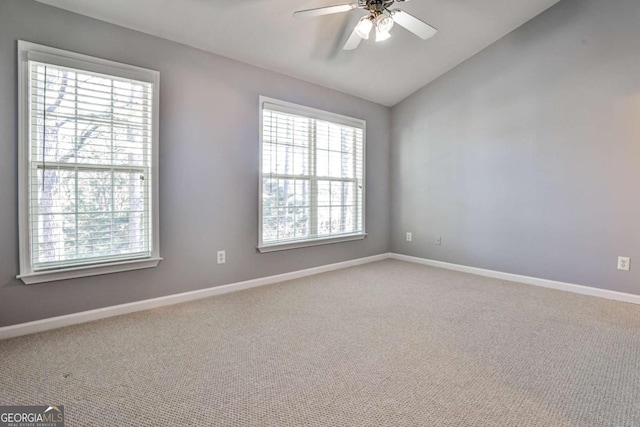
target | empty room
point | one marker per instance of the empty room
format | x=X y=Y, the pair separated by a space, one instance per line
x=315 y=213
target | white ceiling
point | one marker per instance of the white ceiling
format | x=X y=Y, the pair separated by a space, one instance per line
x=264 y=33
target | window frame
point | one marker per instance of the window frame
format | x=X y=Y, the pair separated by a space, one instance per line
x=30 y=51
x=317 y=114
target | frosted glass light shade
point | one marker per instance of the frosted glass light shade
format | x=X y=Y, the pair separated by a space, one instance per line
x=363 y=29
x=384 y=24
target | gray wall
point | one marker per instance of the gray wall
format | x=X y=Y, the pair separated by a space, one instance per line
x=208 y=160
x=526 y=158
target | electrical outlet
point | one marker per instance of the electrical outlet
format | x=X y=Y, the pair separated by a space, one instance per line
x=439 y=241
x=409 y=237
x=624 y=263
x=222 y=257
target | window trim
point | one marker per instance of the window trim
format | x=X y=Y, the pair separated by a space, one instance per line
x=297 y=109
x=30 y=51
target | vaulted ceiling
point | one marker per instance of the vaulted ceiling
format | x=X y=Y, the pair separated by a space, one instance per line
x=264 y=33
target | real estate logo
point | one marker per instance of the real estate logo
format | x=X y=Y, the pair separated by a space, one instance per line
x=32 y=416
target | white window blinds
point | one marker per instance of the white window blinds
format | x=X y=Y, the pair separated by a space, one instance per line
x=312 y=166
x=90 y=161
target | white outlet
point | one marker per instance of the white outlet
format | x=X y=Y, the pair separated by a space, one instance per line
x=624 y=263
x=409 y=237
x=439 y=241
x=222 y=257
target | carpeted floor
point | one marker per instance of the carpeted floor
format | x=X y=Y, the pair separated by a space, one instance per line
x=384 y=344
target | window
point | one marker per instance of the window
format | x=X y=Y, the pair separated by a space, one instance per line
x=88 y=165
x=312 y=177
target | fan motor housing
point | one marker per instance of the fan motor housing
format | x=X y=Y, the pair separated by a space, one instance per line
x=376 y=6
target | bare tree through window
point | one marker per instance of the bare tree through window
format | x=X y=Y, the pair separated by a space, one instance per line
x=312 y=178
x=90 y=157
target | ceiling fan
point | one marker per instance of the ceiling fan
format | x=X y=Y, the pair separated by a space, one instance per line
x=380 y=17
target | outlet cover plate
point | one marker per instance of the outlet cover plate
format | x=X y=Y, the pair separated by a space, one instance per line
x=624 y=263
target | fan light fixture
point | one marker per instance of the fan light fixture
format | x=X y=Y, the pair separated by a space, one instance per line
x=380 y=15
x=364 y=27
x=384 y=23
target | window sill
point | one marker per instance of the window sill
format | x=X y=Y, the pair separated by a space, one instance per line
x=306 y=243
x=88 y=270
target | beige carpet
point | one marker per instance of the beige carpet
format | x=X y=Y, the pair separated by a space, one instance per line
x=384 y=344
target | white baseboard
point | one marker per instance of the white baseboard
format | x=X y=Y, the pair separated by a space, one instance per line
x=117 y=310
x=102 y=313
x=569 y=287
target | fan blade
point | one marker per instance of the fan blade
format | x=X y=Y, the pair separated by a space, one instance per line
x=413 y=24
x=353 y=41
x=310 y=13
